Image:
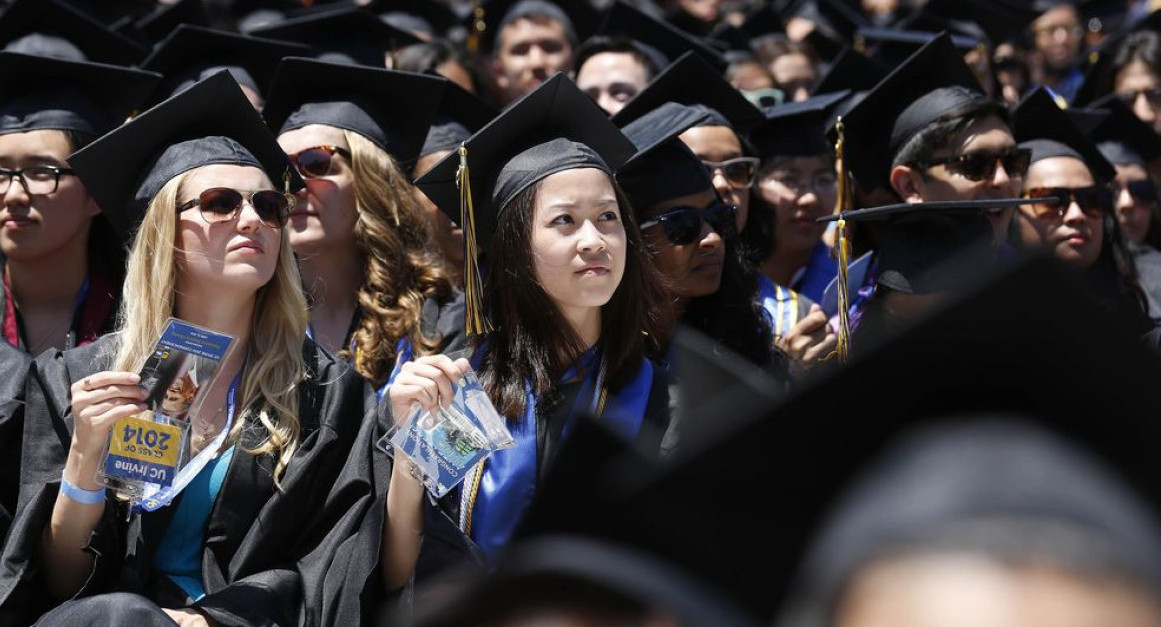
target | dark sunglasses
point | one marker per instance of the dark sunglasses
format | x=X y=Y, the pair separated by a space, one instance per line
x=683 y=224
x=1093 y=201
x=223 y=204
x=1141 y=191
x=1152 y=96
x=981 y=166
x=739 y=172
x=315 y=162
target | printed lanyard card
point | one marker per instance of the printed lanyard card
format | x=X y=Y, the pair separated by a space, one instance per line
x=151 y=447
x=446 y=445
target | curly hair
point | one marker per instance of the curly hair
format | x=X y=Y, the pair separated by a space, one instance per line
x=400 y=268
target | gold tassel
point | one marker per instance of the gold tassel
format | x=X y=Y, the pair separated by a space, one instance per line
x=843 y=245
x=476 y=32
x=475 y=320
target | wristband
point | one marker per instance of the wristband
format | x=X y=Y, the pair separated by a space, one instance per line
x=80 y=495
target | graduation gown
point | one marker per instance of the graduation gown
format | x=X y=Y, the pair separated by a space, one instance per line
x=95 y=313
x=259 y=543
x=13 y=371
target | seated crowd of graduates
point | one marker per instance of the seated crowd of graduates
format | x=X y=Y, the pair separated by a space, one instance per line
x=811 y=312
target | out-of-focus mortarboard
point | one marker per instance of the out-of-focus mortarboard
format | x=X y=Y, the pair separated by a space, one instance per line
x=434 y=19
x=344 y=35
x=554 y=128
x=892 y=46
x=461 y=113
x=663 y=167
x=50 y=28
x=835 y=23
x=1042 y=126
x=1122 y=137
x=1099 y=72
x=209 y=123
x=852 y=70
x=690 y=80
x=487 y=19
x=1087 y=119
x=797 y=129
x=657 y=39
x=982 y=19
x=165 y=18
x=191 y=53
x=392 y=109
x=46 y=93
x=931 y=85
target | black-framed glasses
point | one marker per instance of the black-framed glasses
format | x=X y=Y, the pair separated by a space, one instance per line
x=739 y=172
x=1143 y=191
x=1152 y=96
x=37 y=180
x=223 y=204
x=981 y=165
x=316 y=161
x=683 y=224
x=1093 y=201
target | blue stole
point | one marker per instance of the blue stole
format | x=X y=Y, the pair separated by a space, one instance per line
x=779 y=304
x=403 y=354
x=496 y=494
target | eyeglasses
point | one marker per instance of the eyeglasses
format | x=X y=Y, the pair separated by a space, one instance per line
x=37 y=180
x=315 y=162
x=819 y=184
x=1152 y=96
x=683 y=224
x=1074 y=30
x=1093 y=201
x=223 y=204
x=981 y=166
x=1143 y=191
x=739 y=172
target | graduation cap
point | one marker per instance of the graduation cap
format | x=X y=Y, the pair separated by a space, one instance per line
x=209 y=123
x=165 y=18
x=1041 y=125
x=392 y=109
x=1122 y=137
x=344 y=35
x=1099 y=73
x=797 y=129
x=852 y=70
x=663 y=167
x=1087 y=120
x=659 y=40
x=982 y=19
x=190 y=53
x=488 y=18
x=835 y=23
x=555 y=127
x=892 y=46
x=762 y=21
x=433 y=18
x=460 y=114
x=46 y=93
x=930 y=85
x=690 y=80
x=54 y=29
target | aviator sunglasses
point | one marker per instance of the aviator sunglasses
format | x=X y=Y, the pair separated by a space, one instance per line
x=316 y=162
x=683 y=224
x=981 y=166
x=1093 y=201
x=739 y=172
x=223 y=204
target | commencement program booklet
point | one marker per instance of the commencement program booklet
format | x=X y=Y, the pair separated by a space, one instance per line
x=147 y=451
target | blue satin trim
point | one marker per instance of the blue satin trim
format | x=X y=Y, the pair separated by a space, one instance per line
x=780 y=305
x=510 y=475
x=403 y=354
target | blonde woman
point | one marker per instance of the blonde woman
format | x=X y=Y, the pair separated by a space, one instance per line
x=379 y=291
x=210 y=191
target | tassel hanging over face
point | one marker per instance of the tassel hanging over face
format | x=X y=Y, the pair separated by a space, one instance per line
x=475 y=320
x=845 y=202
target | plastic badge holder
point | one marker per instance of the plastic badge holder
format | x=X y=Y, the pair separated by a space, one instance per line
x=446 y=445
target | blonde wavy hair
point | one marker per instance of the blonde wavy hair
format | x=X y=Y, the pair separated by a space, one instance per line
x=274 y=361
x=400 y=267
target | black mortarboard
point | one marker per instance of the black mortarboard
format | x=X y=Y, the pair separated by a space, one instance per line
x=50 y=28
x=554 y=128
x=932 y=84
x=659 y=39
x=663 y=167
x=990 y=351
x=1041 y=125
x=982 y=19
x=579 y=18
x=162 y=20
x=209 y=123
x=797 y=129
x=851 y=70
x=892 y=46
x=191 y=53
x=1122 y=137
x=835 y=21
x=47 y=93
x=345 y=35
x=1087 y=120
x=437 y=16
x=392 y=109
x=461 y=113
x=1099 y=73
x=762 y=21
x=690 y=80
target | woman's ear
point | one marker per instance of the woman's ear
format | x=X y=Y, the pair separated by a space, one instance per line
x=907 y=183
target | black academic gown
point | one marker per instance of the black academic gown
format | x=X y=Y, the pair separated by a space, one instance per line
x=260 y=543
x=13 y=372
